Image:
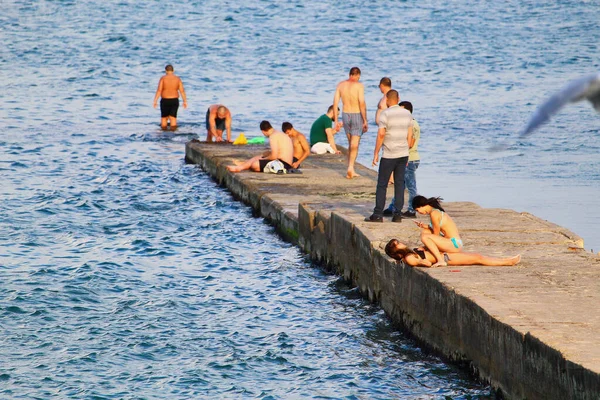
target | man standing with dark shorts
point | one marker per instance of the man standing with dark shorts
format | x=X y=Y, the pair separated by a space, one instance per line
x=218 y=119
x=354 y=109
x=169 y=88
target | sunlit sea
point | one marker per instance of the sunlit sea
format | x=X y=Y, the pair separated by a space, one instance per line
x=127 y=274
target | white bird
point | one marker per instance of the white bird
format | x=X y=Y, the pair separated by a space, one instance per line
x=585 y=88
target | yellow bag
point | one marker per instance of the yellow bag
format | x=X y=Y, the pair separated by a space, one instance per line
x=240 y=139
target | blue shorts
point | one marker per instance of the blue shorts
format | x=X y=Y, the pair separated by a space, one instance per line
x=353 y=124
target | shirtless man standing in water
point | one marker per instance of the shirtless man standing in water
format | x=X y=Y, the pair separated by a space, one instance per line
x=169 y=88
x=354 y=117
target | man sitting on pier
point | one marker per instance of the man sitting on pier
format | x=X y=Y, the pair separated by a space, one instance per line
x=321 y=134
x=301 y=147
x=281 y=146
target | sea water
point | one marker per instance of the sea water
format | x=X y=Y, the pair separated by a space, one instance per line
x=127 y=274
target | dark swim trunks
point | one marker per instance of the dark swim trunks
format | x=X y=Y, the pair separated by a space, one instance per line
x=264 y=161
x=219 y=122
x=168 y=107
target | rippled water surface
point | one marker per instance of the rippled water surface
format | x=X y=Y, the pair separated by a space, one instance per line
x=128 y=274
x=125 y=273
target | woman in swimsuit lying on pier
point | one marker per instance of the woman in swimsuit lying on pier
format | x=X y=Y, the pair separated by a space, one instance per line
x=419 y=257
x=442 y=234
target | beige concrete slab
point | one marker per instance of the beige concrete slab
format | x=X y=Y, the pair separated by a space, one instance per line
x=553 y=295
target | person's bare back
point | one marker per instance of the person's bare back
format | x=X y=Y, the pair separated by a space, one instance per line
x=351 y=93
x=170 y=85
x=282 y=147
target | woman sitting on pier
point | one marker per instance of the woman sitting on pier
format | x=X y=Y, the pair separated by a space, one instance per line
x=419 y=257
x=442 y=234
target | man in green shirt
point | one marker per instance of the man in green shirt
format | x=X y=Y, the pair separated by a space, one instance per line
x=322 y=132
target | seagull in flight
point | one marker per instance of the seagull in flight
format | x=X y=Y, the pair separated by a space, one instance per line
x=585 y=88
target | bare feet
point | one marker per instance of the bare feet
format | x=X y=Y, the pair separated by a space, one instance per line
x=439 y=264
x=351 y=174
x=515 y=260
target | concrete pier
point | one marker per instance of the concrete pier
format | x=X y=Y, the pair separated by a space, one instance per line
x=532 y=331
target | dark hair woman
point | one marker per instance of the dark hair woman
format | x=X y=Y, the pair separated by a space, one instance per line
x=442 y=234
x=419 y=257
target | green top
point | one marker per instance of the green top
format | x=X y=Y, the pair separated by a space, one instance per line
x=317 y=131
x=413 y=153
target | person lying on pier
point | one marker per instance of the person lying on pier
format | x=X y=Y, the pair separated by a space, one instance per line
x=441 y=235
x=420 y=257
x=301 y=147
x=281 y=146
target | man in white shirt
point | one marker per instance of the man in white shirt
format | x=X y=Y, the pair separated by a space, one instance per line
x=395 y=134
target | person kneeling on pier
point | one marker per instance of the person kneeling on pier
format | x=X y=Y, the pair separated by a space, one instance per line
x=282 y=150
x=420 y=257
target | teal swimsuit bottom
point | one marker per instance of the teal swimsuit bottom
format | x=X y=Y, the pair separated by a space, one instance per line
x=456 y=242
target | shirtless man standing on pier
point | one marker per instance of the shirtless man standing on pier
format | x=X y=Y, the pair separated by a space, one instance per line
x=354 y=114
x=385 y=85
x=169 y=88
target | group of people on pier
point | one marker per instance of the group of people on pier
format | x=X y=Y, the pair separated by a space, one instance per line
x=398 y=135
